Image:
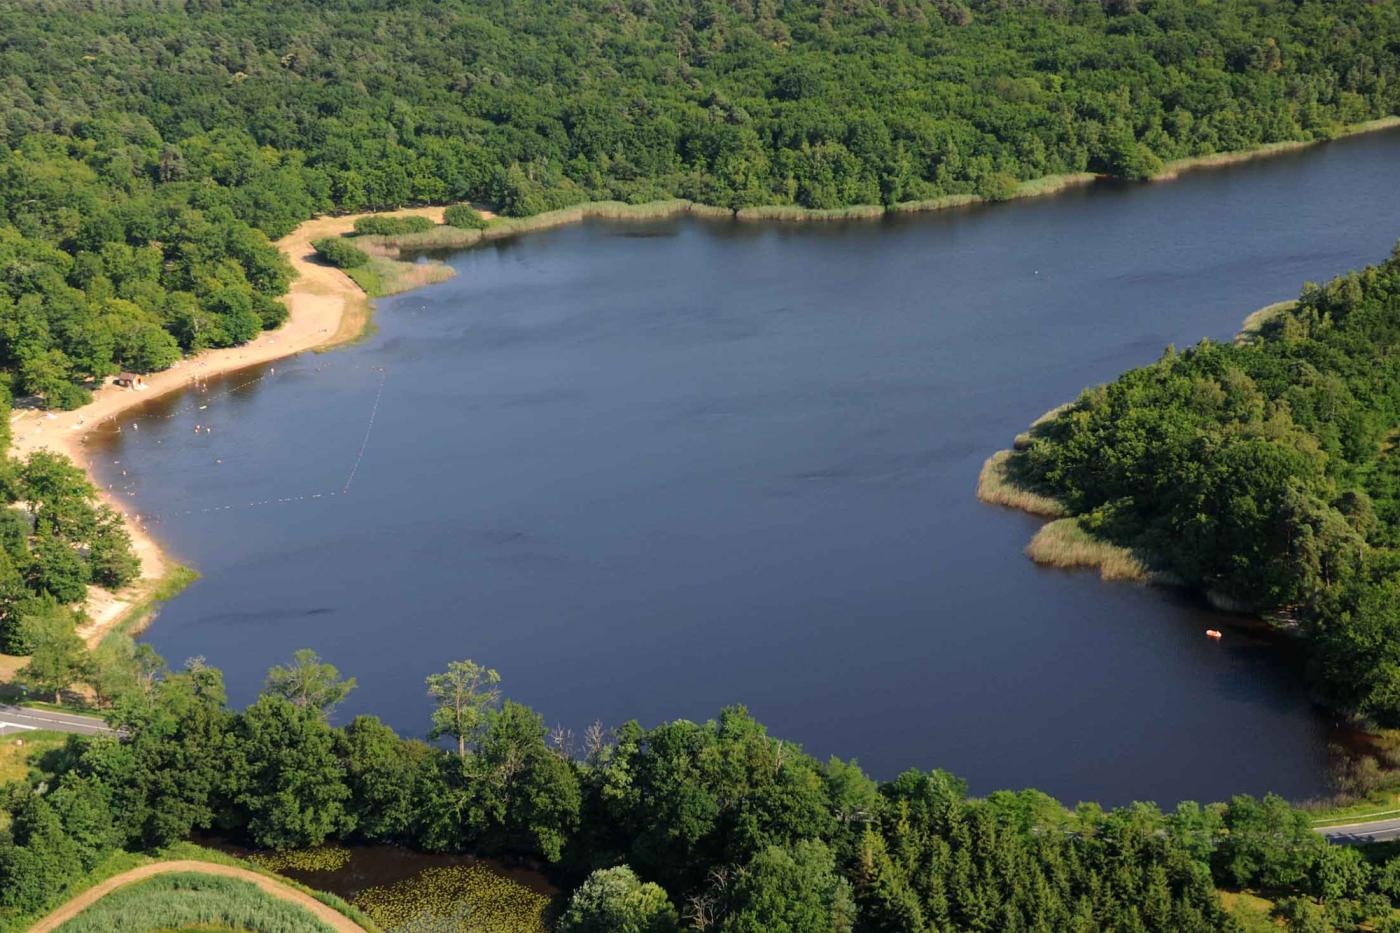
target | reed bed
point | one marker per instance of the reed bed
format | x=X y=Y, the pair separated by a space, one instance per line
x=447 y=237
x=936 y=204
x=997 y=485
x=191 y=900
x=1252 y=328
x=1173 y=169
x=381 y=276
x=1053 y=184
x=792 y=212
x=1066 y=544
x=1023 y=440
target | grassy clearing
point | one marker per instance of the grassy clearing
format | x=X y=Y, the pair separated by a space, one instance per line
x=382 y=276
x=193 y=900
x=18 y=751
x=997 y=485
x=1254 y=913
x=465 y=897
x=1066 y=544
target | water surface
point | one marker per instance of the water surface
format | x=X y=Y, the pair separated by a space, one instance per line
x=650 y=470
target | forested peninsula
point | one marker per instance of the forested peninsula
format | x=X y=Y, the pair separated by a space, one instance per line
x=1262 y=472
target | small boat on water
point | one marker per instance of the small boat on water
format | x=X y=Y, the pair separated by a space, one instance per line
x=1213 y=633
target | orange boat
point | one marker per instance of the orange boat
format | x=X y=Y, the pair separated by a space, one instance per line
x=1213 y=633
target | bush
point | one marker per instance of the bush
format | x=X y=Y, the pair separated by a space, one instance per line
x=464 y=216
x=340 y=253
x=392 y=226
x=614 y=900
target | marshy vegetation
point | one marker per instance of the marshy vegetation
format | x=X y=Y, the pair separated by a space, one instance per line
x=468 y=897
x=1067 y=544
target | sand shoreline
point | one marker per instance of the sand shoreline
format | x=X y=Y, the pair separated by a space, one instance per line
x=325 y=308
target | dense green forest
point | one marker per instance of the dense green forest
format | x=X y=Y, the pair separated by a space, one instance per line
x=149 y=149
x=718 y=826
x=1265 y=471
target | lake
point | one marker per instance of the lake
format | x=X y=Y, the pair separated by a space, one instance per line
x=649 y=470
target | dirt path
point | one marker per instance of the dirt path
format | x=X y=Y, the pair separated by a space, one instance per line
x=277 y=889
x=325 y=307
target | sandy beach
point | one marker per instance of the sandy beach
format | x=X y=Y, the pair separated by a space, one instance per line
x=325 y=308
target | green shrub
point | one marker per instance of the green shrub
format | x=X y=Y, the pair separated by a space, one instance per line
x=392 y=226
x=340 y=253
x=464 y=216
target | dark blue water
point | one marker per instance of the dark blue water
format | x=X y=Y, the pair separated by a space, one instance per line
x=650 y=470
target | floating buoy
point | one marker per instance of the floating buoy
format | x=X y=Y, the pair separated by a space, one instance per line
x=1213 y=633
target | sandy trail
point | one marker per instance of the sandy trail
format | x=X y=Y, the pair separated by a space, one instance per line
x=277 y=889
x=325 y=307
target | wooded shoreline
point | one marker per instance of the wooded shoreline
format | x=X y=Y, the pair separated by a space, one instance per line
x=327 y=309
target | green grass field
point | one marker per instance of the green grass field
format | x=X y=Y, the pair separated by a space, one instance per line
x=192 y=901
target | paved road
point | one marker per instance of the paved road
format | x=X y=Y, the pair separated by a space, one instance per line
x=1352 y=834
x=15 y=719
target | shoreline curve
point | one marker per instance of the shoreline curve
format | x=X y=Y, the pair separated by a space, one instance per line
x=327 y=309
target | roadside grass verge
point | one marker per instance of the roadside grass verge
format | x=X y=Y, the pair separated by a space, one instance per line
x=19 y=749
x=189 y=899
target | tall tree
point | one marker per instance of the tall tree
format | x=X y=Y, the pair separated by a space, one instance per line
x=464 y=693
x=309 y=683
x=57 y=656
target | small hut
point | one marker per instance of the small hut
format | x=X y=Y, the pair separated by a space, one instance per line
x=134 y=381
